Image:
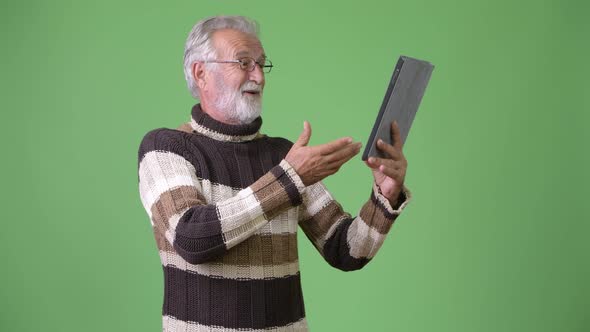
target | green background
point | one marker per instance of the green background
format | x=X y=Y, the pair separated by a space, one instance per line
x=495 y=239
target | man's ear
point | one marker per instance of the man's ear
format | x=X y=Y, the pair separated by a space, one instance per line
x=199 y=74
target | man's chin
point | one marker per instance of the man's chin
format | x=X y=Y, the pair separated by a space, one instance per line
x=249 y=115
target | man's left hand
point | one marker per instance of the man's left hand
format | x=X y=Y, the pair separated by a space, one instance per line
x=390 y=173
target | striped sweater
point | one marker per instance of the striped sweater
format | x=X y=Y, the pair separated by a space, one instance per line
x=225 y=207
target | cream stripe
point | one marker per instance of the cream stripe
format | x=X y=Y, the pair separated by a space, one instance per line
x=364 y=241
x=160 y=171
x=230 y=271
x=316 y=197
x=214 y=192
x=238 y=234
x=171 y=324
x=386 y=203
x=219 y=136
x=240 y=216
x=173 y=221
x=292 y=175
x=280 y=224
x=242 y=206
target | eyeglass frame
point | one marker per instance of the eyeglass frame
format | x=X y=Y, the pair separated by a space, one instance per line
x=262 y=66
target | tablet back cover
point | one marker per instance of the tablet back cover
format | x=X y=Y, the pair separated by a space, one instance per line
x=401 y=101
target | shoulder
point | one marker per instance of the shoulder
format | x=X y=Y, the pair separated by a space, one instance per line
x=279 y=144
x=163 y=139
x=160 y=138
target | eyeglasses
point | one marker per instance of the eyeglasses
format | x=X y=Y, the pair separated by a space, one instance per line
x=248 y=64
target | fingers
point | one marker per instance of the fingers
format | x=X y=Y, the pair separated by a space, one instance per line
x=377 y=162
x=346 y=152
x=334 y=146
x=305 y=135
x=391 y=150
x=388 y=167
x=336 y=160
x=393 y=173
x=396 y=135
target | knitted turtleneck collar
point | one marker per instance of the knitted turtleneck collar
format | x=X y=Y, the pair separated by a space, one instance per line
x=204 y=124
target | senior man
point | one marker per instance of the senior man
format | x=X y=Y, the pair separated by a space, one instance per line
x=225 y=201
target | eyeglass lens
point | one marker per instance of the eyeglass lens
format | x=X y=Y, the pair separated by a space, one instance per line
x=249 y=64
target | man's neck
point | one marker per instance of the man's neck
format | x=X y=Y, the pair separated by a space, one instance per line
x=204 y=124
x=216 y=114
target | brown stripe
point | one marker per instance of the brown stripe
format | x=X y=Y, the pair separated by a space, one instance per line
x=284 y=178
x=168 y=204
x=264 y=181
x=317 y=227
x=272 y=196
x=259 y=250
x=173 y=201
x=159 y=233
x=375 y=218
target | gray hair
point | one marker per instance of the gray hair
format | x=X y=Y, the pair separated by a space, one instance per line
x=198 y=46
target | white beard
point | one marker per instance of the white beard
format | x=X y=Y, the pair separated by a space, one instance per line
x=235 y=105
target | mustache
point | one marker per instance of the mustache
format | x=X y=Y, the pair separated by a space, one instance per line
x=251 y=86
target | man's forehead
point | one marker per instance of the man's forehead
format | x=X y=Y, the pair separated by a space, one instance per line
x=230 y=42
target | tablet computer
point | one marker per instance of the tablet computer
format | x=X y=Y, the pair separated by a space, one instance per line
x=403 y=96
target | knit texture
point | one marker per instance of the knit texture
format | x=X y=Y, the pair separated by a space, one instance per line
x=225 y=207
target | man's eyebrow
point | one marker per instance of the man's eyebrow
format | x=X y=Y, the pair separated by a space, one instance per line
x=246 y=53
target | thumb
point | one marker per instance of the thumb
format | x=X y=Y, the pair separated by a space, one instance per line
x=305 y=135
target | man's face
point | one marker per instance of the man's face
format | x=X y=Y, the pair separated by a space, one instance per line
x=237 y=92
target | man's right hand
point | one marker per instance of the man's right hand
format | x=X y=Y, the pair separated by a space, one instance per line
x=314 y=163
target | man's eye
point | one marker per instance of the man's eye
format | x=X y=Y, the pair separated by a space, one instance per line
x=246 y=63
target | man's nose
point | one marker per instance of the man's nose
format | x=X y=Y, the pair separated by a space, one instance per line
x=257 y=75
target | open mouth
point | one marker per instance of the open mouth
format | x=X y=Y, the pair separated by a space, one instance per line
x=251 y=93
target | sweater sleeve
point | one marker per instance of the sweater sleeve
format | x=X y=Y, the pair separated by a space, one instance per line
x=183 y=221
x=344 y=242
